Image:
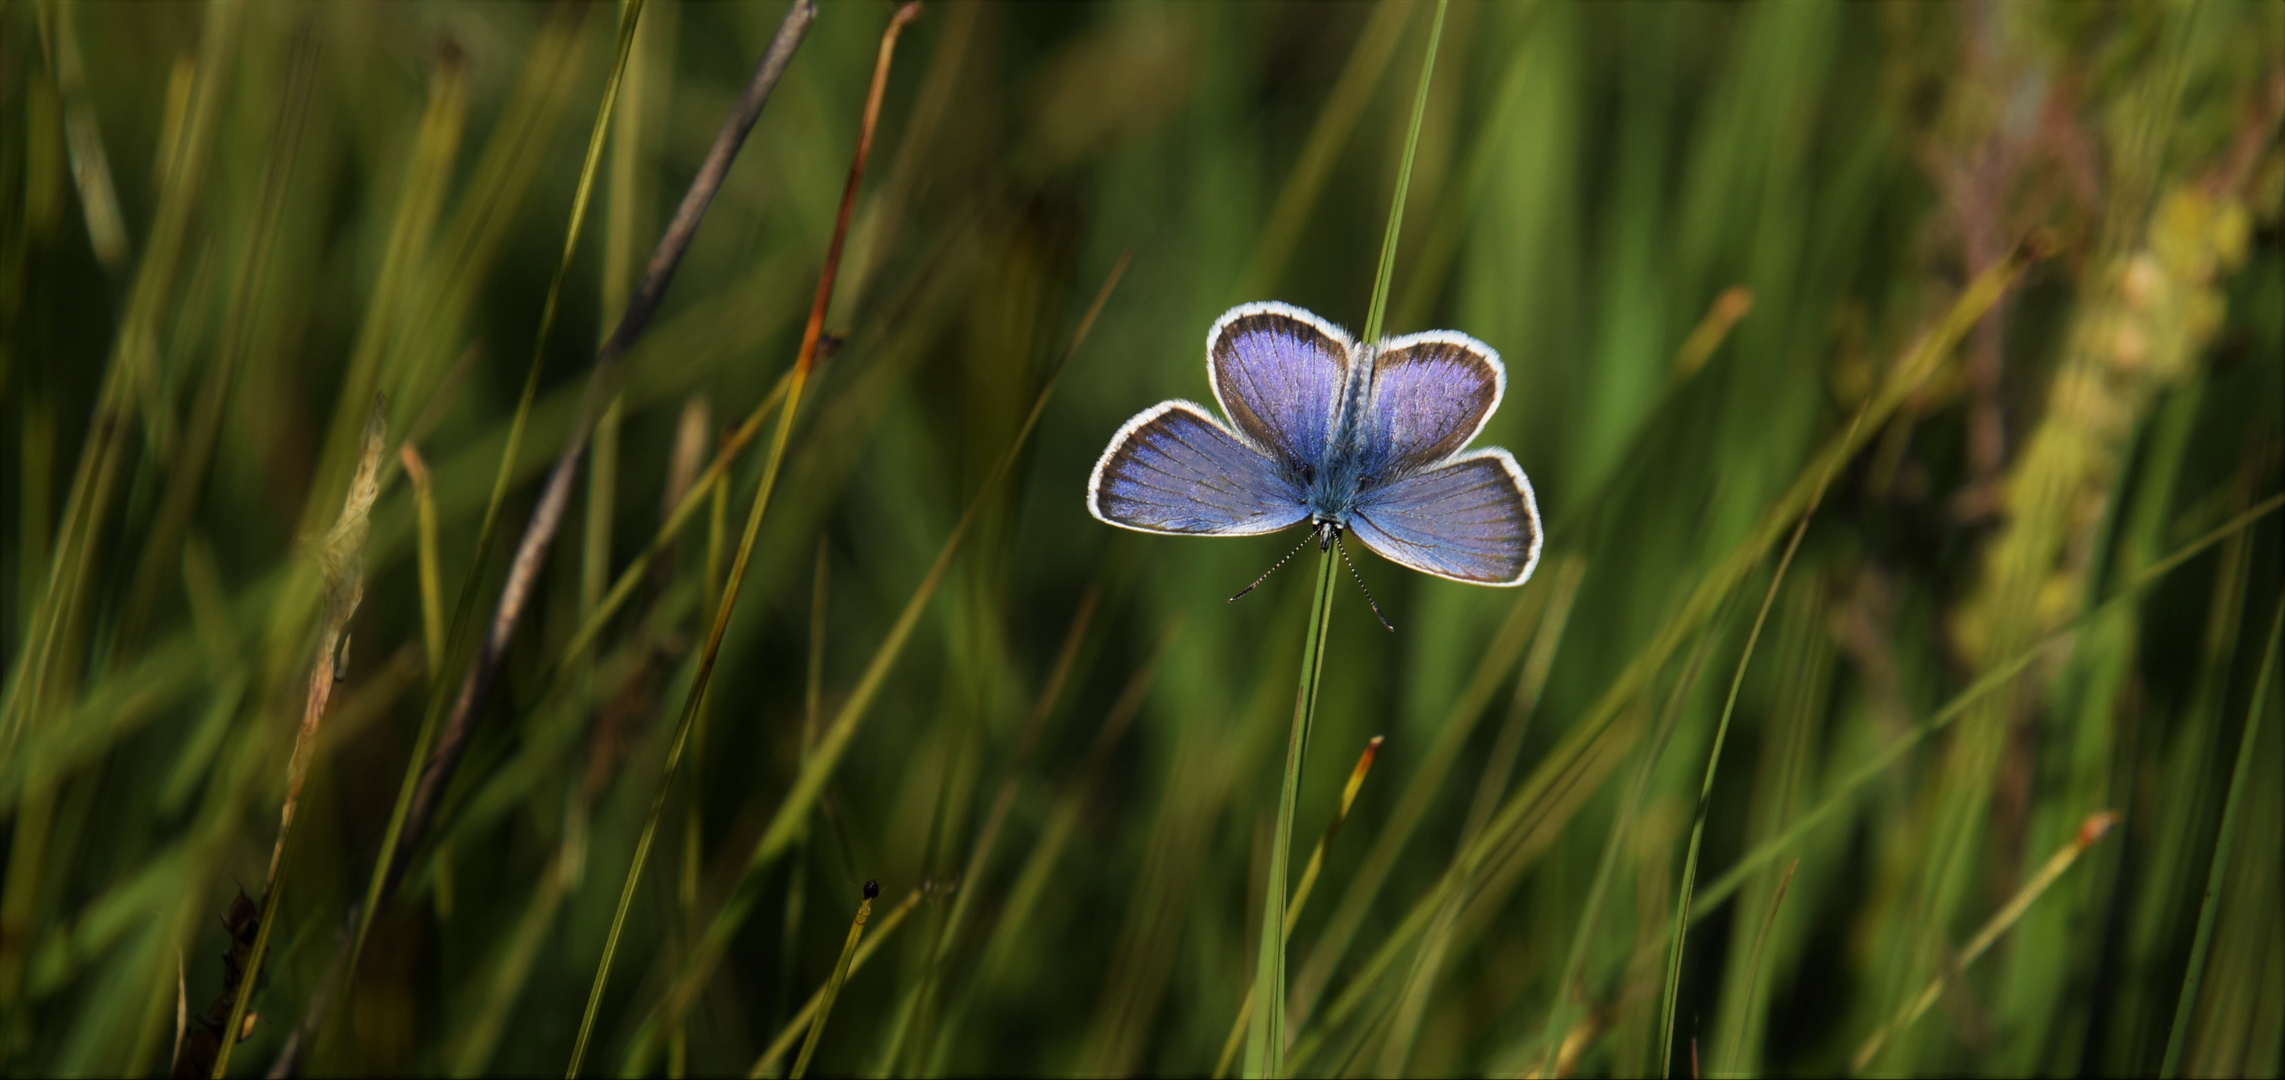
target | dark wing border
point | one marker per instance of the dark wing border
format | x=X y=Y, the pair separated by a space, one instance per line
x=1490 y=358
x=1345 y=350
x=1127 y=434
x=1530 y=509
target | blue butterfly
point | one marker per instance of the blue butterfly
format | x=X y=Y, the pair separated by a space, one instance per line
x=1350 y=438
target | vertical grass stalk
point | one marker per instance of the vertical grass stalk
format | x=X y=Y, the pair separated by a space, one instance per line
x=1714 y=762
x=801 y=1022
x=1265 y=1042
x=803 y=363
x=2224 y=843
x=1301 y=893
x=833 y=985
x=387 y=866
x=342 y=562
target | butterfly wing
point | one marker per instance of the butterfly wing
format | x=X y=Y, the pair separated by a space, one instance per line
x=1431 y=394
x=1278 y=372
x=1472 y=519
x=1173 y=469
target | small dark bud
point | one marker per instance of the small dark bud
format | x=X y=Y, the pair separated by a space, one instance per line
x=872 y=888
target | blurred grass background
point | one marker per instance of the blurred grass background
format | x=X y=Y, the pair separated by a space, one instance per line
x=1705 y=239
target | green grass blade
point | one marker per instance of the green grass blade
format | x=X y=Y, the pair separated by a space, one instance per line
x=2225 y=843
x=1344 y=105
x=1561 y=1013
x=1381 y=276
x=832 y=989
x=1713 y=763
x=802 y=1019
x=1992 y=680
x=790 y=820
x=2095 y=828
x=1294 y=907
x=692 y=702
x=463 y=621
x=1265 y=1038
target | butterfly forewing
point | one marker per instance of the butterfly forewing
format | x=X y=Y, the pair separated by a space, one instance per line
x=1431 y=394
x=1278 y=372
x=1473 y=519
x=1173 y=469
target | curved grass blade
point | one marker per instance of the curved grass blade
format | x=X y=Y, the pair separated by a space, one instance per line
x=1736 y=1035
x=1522 y=817
x=665 y=258
x=768 y=1061
x=432 y=593
x=1561 y=1014
x=440 y=758
x=1714 y=762
x=2225 y=841
x=2094 y=828
x=832 y=990
x=1519 y=829
x=804 y=361
x=947 y=937
x=342 y=562
x=788 y=823
x=2000 y=675
x=405 y=820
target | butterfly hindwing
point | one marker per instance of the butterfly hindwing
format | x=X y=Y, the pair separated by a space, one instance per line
x=1472 y=519
x=1173 y=469
x=1279 y=372
x=1431 y=394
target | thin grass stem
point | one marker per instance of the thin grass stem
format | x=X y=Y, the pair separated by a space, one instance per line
x=2225 y=843
x=692 y=702
x=1561 y=1013
x=1736 y=1034
x=2096 y=826
x=443 y=754
x=804 y=361
x=791 y=818
x=1265 y=1040
x=801 y=1021
x=824 y=1010
x=342 y=562
x=432 y=592
x=1714 y=762
x=1301 y=893
x=1379 y=308
x=435 y=748
x=2000 y=675
x=1499 y=766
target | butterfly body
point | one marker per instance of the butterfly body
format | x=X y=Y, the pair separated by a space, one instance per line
x=1364 y=440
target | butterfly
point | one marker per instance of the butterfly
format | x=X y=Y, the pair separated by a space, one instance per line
x=1351 y=438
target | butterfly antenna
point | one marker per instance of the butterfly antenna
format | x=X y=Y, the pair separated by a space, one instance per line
x=1369 y=602
x=1273 y=567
